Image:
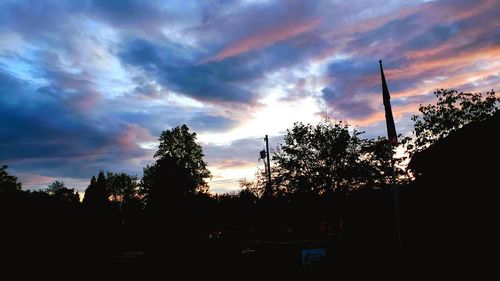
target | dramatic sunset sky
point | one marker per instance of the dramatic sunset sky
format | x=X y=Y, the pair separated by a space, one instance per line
x=89 y=85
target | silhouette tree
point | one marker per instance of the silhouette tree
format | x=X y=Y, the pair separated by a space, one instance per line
x=454 y=176
x=452 y=111
x=180 y=144
x=376 y=162
x=125 y=197
x=97 y=195
x=58 y=190
x=122 y=188
x=173 y=190
x=259 y=185
x=54 y=187
x=327 y=157
x=249 y=190
x=8 y=183
x=179 y=169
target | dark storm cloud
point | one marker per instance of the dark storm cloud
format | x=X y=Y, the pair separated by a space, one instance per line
x=37 y=125
x=232 y=79
x=42 y=134
x=206 y=81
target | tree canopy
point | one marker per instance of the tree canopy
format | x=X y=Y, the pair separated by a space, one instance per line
x=180 y=145
x=8 y=183
x=59 y=190
x=329 y=157
x=452 y=111
x=97 y=193
x=122 y=187
x=179 y=168
x=328 y=183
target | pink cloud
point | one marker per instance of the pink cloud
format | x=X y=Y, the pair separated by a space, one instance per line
x=232 y=163
x=29 y=179
x=266 y=38
x=84 y=102
x=378 y=116
x=448 y=64
x=132 y=135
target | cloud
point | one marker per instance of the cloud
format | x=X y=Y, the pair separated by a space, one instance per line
x=267 y=38
x=38 y=18
x=99 y=80
x=234 y=79
x=130 y=14
x=44 y=134
x=421 y=52
x=212 y=81
x=207 y=123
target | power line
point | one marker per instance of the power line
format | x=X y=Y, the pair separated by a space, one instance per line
x=225 y=181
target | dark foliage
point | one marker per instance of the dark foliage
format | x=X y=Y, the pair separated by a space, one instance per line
x=452 y=111
x=331 y=190
x=8 y=183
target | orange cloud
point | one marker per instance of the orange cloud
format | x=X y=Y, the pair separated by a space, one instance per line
x=447 y=64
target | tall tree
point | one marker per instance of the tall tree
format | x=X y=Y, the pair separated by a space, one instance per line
x=452 y=111
x=97 y=194
x=179 y=168
x=180 y=144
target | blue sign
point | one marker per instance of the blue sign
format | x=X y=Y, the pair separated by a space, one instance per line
x=310 y=256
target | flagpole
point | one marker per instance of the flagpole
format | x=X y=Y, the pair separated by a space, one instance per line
x=396 y=201
x=392 y=138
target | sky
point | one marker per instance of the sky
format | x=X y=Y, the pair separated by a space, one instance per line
x=89 y=85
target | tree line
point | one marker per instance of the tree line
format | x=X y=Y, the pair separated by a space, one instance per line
x=328 y=182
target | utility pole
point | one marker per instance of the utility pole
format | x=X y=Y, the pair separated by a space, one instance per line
x=268 y=167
